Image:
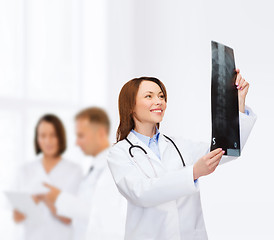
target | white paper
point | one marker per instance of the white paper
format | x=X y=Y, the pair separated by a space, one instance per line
x=24 y=203
x=38 y=189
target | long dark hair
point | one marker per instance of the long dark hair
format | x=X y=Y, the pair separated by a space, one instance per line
x=127 y=101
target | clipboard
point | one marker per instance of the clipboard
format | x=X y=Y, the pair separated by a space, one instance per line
x=24 y=203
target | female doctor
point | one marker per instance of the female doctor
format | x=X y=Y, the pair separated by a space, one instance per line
x=52 y=168
x=159 y=175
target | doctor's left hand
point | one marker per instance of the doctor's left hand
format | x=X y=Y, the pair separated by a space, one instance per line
x=51 y=196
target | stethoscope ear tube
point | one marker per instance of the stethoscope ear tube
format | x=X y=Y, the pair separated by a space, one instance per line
x=176 y=149
x=130 y=153
x=133 y=146
x=136 y=147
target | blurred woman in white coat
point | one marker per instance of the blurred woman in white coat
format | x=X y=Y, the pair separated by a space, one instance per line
x=159 y=175
x=51 y=168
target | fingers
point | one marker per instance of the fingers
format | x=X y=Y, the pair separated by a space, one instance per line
x=214 y=161
x=207 y=163
x=18 y=216
x=216 y=158
x=17 y=212
x=215 y=164
x=240 y=82
x=238 y=79
x=244 y=85
x=51 y=187
x=214 y=153
x=38 y=198
x=48 y=185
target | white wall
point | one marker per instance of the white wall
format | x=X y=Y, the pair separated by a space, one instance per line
x=50 y=45
x=52 y=61
x=171 y=40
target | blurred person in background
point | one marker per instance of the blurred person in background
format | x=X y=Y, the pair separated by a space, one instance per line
x=98 y=211
x=52 y=168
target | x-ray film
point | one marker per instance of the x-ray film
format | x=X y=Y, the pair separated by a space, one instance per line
x=224 y=101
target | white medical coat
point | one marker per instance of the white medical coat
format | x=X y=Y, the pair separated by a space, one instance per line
x=166 y=207
x=98 y=211
x=66 y=176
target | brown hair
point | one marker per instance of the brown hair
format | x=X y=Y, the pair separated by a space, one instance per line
x=96 y=115
x=59 y=130
x=127 y=101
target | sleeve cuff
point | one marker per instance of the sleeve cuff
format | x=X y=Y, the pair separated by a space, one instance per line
x=62 y=202
x=247 y=114
x=194 y=183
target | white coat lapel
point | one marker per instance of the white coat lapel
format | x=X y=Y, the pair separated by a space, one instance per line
x=136 y=141
x=163 y=143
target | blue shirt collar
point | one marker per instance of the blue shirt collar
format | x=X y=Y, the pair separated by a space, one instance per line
x=145 y=139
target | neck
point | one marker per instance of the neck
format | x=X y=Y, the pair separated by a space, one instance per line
x=145 y=129
x=48 y=158
x=103 y=146
x=49 y=162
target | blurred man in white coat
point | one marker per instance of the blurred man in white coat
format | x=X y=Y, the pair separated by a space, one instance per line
x=98 y=211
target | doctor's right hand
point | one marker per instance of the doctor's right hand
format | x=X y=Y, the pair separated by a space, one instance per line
x=18 y=216
x=208 y=163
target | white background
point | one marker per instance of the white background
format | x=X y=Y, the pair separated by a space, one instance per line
x=60 y=56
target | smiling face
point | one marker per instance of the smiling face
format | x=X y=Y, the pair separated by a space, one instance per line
x=150 y=104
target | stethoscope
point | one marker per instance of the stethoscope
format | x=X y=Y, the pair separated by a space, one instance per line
x=137 y=146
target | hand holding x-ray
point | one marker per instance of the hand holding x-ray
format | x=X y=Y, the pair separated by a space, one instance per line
x=208 y=163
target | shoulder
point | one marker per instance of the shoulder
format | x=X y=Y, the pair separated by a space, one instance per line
x=24 y=170
x=184 y=142
x=189 y=148
x=32 y=165
x=70 y=166
x=118 y=152
x=120 y=146
x=178 y=141
x=68 y=163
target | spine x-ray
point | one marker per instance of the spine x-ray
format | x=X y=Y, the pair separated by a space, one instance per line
x=224 y=101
